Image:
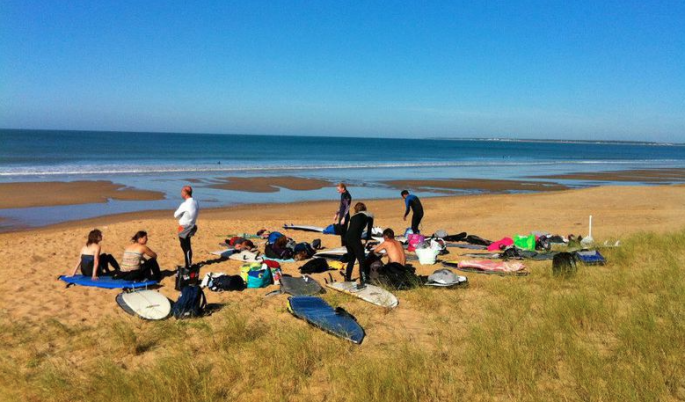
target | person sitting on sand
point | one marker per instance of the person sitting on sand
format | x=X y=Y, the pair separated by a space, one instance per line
x=134 y=265
x=91 y=257
x=392 y=247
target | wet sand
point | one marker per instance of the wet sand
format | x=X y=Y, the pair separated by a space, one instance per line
x=46 y=194
x=271 y=184
x=652 y=176
x=484 y=185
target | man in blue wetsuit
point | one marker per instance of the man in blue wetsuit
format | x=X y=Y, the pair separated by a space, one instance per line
x=412 y=202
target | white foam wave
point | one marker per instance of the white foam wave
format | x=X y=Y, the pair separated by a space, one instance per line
x=65 y=170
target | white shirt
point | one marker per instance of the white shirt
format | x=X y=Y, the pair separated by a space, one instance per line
x=187 y=212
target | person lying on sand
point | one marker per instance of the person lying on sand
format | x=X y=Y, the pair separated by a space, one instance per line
x=91 y=257
x=240 y=243
x=392 y=247
x=134 y=265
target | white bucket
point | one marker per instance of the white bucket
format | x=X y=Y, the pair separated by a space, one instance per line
x=427 y=256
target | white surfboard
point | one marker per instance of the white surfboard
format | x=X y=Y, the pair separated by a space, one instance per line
x=246 y=256
x=371 y=294
x=224 y=253
x=306 y=228
x=147 y=304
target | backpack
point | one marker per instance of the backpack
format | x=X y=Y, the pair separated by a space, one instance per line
x=227 y=282
x=564 y=264
x=397 y=276
x=274 y=236
x=191 y=303
x=314 y=266
x=187 y=276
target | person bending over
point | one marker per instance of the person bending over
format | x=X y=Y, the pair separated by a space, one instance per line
x=412 y=202
x=392 y=247
x=187 y=217
x=353 y=242
x=134 y=265
x=91 y=257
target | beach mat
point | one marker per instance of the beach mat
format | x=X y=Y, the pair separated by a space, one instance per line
x=315 y=311
x=105 y=282
x=467 y=246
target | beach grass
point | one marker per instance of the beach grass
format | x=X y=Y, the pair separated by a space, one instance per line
x=610 y=333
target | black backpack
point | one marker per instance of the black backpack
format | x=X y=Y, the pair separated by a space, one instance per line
x=564 y=264
x=191 y=303
x=397 y=276
x=314 y=266
x=228 y=283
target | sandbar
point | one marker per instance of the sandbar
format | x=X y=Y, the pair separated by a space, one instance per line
x=47 y=194
x=485 y=185
x=673 y=175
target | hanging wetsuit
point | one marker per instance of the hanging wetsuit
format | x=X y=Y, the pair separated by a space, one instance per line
x=344 y=212
x=353 y=241
x=412 y=202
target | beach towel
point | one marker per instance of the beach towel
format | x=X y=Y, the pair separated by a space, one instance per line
x=489 y=267
x=501 y=244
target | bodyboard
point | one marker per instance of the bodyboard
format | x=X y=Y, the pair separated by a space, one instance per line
x=370 y=293
x=146 y=304
x=315 y=311
x=302 y=286
x=105 y=282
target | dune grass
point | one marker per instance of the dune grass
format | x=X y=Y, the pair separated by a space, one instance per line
x=611 y=333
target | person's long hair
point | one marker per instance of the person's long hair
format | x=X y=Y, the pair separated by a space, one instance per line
x=94 y=237
x=139 y=235
x=358 y=207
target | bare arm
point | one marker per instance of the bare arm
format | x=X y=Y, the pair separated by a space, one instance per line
x=96 y=262
x=78 y=264
x=380 y=247
x=148 y=252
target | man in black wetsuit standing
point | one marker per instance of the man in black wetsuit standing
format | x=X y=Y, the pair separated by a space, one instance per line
x=342 y=217
x=412 y=202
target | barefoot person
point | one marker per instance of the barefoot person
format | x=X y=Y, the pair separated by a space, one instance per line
x=187 y=217
x=353 y=241
x=91 y=257
x=412 y=202
x=134 y=265
x=342 y=217
x=393 y=248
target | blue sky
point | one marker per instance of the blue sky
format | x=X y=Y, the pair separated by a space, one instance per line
x=531 y=69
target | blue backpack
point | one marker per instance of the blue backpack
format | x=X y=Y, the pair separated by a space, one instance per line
x=274 y=236
x=191 y=303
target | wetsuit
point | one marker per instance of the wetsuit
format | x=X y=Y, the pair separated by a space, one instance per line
x=353 y=243
x=344 y=212
x=87 y=262
x=412 y=202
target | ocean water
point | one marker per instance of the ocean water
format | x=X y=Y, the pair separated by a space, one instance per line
x=165 y=161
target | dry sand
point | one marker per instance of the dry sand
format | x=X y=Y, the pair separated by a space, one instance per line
x=30 y=261
x=45 y=194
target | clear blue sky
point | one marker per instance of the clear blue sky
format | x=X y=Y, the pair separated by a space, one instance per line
x=528 y=69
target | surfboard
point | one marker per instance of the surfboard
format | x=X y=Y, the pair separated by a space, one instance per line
x=105 y=282
x=370 y=293
x=302 y=286
x=147 y=304
x=246 y=256
x=305 y=228
x=315 y=311
x=224 y=253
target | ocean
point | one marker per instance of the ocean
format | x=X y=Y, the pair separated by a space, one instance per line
x=165 y=161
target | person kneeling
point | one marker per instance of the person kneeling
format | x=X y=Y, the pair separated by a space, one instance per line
x=134 y=265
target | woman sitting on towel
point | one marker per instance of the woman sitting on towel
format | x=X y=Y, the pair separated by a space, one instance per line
x=134 y=265
x=91 y=257
x=353 y=241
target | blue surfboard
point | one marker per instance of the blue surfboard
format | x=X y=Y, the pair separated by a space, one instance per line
x=320 y=314
x=106 y=282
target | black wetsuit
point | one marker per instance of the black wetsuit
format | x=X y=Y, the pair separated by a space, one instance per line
x=353 y=242
x=414 y=204
x=344 y=212
x=87 y=262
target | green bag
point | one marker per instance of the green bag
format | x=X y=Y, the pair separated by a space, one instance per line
x=260 y=278
x=525 y=242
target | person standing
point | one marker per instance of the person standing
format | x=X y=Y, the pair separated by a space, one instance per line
x=342 y=217
x=187 y=218
x=412 y=202
x=353 y=242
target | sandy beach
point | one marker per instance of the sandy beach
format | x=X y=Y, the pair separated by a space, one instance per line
x=41 y=255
